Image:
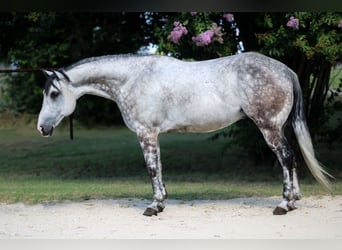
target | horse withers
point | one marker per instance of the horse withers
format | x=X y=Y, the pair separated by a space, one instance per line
x=159 y=94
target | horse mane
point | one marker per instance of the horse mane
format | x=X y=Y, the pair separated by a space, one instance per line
x=81 y=62
x=54 y=76
x=102 y=58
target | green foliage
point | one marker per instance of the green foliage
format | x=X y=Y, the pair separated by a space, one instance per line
x=310 y=50
x=54 y=40
x=330 y=131
x=32 y=190
x=106 y=163
x=246 y=136
x=318 y=35
x=196 y=24
x=23 y=93
x=308 y=42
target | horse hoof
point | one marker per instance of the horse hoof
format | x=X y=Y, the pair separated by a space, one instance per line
x=292 y=208
x=150 y=212
x=279 y=211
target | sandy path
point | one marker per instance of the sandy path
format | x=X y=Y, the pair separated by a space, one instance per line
x=317 y=217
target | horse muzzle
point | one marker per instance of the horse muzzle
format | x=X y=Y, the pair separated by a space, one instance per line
x=45 y=131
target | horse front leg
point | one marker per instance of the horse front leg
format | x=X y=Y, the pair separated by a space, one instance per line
x=150 y=145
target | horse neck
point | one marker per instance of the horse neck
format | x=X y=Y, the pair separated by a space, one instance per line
x=103 y=79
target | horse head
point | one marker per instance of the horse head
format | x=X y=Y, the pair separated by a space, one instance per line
x=58 y=101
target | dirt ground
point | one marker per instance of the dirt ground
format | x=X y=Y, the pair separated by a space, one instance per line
x=315 y=218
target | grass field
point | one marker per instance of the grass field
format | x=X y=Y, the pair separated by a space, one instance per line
x=107 y=163
x=335 y=77
x=39 y=190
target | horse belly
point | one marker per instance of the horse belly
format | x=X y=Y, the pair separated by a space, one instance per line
x=199 y=119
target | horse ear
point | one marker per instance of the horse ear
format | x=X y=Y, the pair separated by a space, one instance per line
x=58 y=74
x=47 y=73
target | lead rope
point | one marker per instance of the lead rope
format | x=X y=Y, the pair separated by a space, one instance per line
x=71 y=126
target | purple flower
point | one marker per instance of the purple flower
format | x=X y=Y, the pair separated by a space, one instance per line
x=229 y=17
x=340 y=24
x=193 y=13
x=204 y=38
x=293 y=23
x=178 y=31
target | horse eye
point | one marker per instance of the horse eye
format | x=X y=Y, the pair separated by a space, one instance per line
x=54 y=94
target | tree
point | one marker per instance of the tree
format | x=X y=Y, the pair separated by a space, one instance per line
x=53 y=40
x=309 y=43
x=195 y=36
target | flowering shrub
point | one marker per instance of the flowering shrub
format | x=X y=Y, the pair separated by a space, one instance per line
x=199 y=35
x=229 y=17
x=209 y=36
x=293 y=23
x=310 y=43
x=178 y=31
x=318 y=35
x=204 y=38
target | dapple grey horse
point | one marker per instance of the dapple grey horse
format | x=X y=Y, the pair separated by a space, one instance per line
x=158 y=94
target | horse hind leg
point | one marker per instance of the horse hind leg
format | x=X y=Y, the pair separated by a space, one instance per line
x=296 y=194
x=277 y=142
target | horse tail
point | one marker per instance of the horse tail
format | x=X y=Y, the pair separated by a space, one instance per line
x=301 y=131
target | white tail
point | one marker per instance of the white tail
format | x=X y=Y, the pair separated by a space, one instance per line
x=305 y=144
x=304 y=139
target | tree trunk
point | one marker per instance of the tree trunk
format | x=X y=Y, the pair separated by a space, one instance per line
x=320 y=85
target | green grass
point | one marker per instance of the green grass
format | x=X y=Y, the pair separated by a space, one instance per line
x=335 y=76
x=107 y=163
x=33 y=190
x=107 y=152
x=37 y=190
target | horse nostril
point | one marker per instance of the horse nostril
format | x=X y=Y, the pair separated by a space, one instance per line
x=45 y=131
x=41 y=129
